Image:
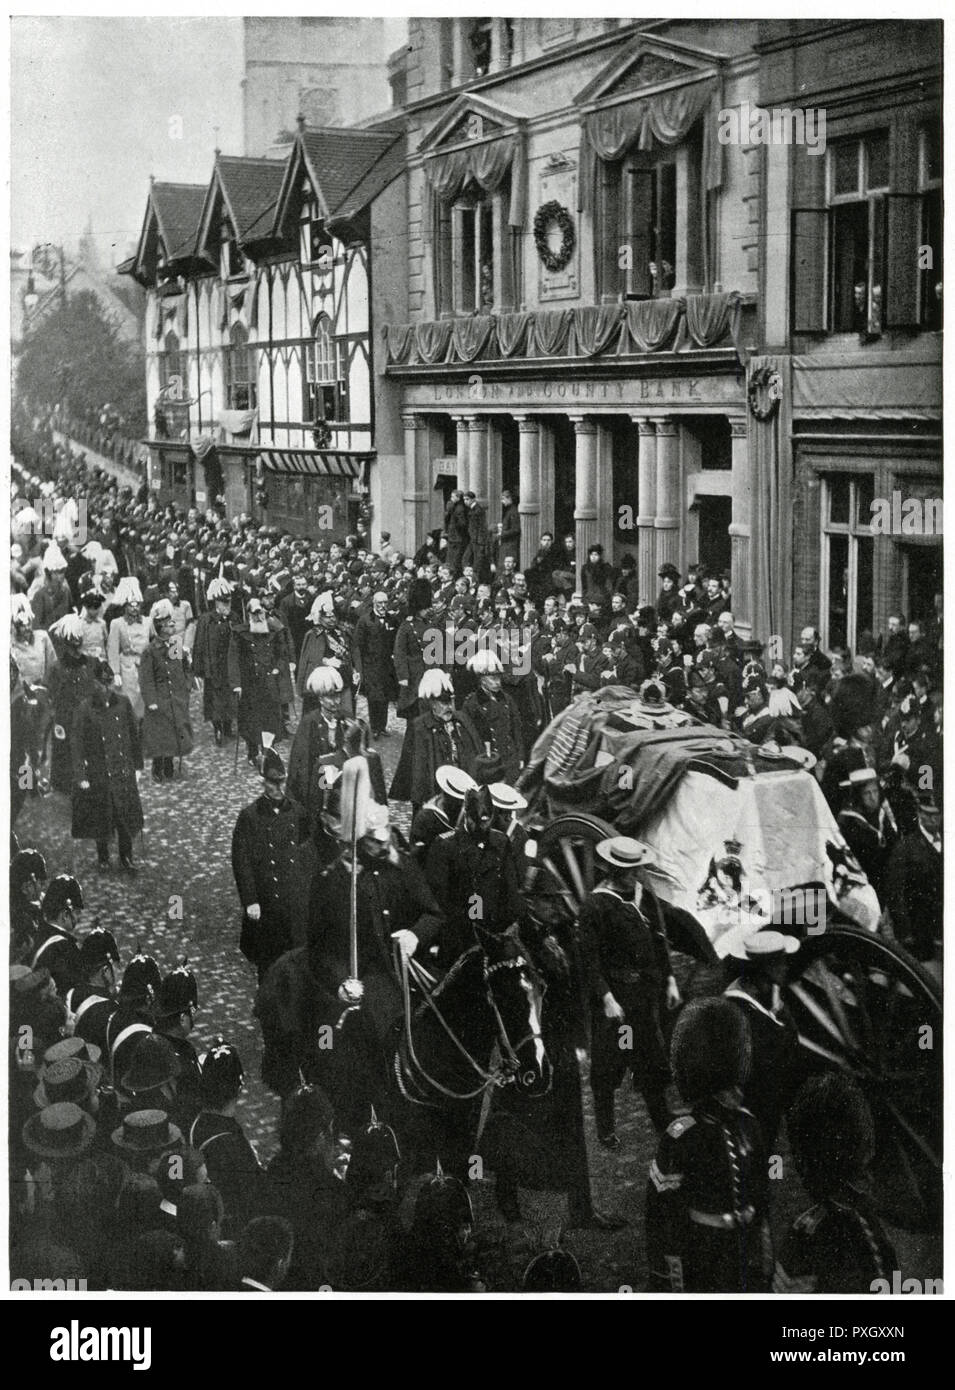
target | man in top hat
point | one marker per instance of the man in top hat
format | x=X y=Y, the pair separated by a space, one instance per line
x=372 y=645
x=707 y=1225
x=912 y=883
x=396 y=912
x=167 y=727
x=590 y=664
x=777 y=1067
x=473 y=873
x=668 y=598
x=269 y=866
x=868 y=824
x=107 y=759
x=441 y=812
x=629 y=980
x=491 y=715
x=210 y=657
x=436 y=737
x=232 y=1162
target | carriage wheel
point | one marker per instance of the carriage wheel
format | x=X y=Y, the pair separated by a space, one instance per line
x=863 y=1005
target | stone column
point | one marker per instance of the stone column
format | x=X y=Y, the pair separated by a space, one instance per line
x=667 y=520
x=478 y=459
x=740 y=528
x=647 y=507
x=529 y=488
x=585 y=502
x=605 y=513
x=463 y=452
x=415 y=494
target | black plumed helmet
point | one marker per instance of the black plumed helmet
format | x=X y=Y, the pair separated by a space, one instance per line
x=831 y=1131
x=419 y=595
x=852 y=705
x=710 y=1050
x=63 y=891
x=27 y=863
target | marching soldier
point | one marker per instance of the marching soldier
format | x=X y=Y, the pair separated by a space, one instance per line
x=707 y=1198
x=255 y=656
x=269 y=871
x=629 y=977
x=107 y=759
x=71 y=682
x=210 y=655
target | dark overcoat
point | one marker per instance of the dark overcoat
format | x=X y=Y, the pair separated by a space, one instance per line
x=106 y=752
x=167 y=730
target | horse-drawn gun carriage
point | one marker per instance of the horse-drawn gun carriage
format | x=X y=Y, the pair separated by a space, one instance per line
x=743 y=837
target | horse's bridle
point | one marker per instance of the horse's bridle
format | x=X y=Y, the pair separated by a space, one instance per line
x=502 y=1074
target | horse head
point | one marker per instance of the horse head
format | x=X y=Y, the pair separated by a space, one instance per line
x=516 y=997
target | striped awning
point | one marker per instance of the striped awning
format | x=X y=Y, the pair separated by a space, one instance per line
x=315 y=463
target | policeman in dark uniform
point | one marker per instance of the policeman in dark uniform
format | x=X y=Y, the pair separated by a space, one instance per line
x=440 y=814
x=474 y=875
x=629 y=978
x=707 y=1195
x=777 y=1063
x=175 y=1010
x=233 y=1164
x=133 y=1016
x=56 y=946
x=27 y=872
x=838 y=1245
x=267 y=862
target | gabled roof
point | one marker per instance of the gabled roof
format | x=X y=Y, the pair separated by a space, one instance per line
x=346 y=168
x=470 y=104
x=248 y=189
x=651 y=62
x=169 y=226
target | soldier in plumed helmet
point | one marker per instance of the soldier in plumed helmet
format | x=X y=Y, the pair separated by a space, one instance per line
x=71 y=682
x=707 y=1194
x=492 y=718
x=319 y=743
x=210 y=657
x=436 y=737
x=325 y=646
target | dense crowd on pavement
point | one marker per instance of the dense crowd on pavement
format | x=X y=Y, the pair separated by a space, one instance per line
x=129 y=1163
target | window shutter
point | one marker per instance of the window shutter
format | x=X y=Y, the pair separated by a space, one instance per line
x=639 y=214
x=608 y=232
x=903 y=229
x=809 y=247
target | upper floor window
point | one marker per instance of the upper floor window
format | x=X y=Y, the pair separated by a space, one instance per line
x=652 y=227
x=478 y=262
x=240 y=371
x=315 y=244
x=479 y=42
x=170 y=366
x=326 y=377
x=869 y=258
x=231 y=259
x=931 y=244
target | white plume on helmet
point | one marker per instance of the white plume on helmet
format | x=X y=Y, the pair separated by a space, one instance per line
x=161 y=611
x=218 y=588
x=324 y=604
x=53 y=557
x=324 y=680
x=128 y=590
x=433 y=684
x=69 y=627
x=21 y=610
x=485 y=663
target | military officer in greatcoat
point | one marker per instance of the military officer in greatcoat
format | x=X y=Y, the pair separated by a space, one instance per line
x=707 y=1195
x=372 y=644
x=493 y=719
x=71 y=682
x=474 y=875
x=256 y=652
x=210 y=657
x=437 y=737
x=629 y=979
x=167 y=727
x=318 y=747
x=269 y=868
x=107 y=759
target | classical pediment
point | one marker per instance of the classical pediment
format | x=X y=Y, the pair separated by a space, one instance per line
x=649 y=63
x=470 y=118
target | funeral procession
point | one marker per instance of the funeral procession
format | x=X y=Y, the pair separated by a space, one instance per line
x=476 y=656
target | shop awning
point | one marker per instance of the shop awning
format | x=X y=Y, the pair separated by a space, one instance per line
x=316 y=463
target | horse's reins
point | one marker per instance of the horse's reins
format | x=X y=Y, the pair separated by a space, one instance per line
x=499 y=1076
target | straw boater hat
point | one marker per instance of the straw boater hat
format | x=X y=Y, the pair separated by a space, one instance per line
x=624 y=852
x=324 y=680
x=146 y=1132
x=764 y=946
x=506 y=798
x=66 y=1080
x=454 y=781
x=73 y=1047
x=62 y=1130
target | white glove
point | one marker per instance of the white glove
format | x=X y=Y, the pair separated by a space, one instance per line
x=117 y=681
x=59 y=731
x=334 y=661
x=84 y=786
x=407 y=943
x=253 y=912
